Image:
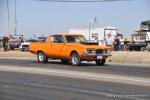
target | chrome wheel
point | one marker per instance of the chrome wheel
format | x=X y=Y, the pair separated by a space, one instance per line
x=42 y=57
x=75 y=59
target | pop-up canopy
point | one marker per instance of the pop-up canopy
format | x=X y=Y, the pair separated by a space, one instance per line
x=146 y=23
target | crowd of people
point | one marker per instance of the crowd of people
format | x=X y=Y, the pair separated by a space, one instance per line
x=116 y=44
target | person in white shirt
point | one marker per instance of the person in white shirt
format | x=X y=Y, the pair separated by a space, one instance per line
x=122 y=44
x=109 y=41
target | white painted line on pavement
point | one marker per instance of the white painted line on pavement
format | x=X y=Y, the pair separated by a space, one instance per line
x=79 y=74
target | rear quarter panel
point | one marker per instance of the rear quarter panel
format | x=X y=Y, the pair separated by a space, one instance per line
x=39 y=46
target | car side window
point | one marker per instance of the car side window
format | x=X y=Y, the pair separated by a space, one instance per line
x=57 y=39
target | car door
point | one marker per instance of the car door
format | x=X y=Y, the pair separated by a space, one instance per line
x=57 y=44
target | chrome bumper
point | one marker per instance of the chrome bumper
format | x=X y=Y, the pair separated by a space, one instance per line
x=95 y=55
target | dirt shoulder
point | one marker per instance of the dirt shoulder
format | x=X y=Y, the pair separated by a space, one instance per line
x=131 y=57
x=119 y=56
x=15 y=53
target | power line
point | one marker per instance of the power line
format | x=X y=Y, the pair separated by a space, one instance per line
x=84 y=0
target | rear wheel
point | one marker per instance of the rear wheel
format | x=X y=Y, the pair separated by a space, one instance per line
x=75 y=59
x=42 y=57
x=100 y=62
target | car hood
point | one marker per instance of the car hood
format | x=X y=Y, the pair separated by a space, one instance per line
x=14 y=40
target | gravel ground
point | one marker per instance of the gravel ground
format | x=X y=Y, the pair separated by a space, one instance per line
x=117 y=56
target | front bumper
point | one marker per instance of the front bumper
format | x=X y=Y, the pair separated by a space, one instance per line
x=14 y=45
x=22 y=47
x=95 y=55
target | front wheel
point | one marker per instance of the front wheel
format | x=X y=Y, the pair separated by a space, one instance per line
x=100 y=62
x=42 y=57
x=75 y=59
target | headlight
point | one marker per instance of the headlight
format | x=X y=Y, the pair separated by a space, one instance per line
x=108 y=51
x=91 y=51
x=85 y=51
x=20 y=46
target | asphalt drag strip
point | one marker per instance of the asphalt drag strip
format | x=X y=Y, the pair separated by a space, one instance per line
x=78 y=74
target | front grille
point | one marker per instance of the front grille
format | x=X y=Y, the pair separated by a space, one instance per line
x=99 y=51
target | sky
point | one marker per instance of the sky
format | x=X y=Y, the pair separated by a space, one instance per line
x=43 y=17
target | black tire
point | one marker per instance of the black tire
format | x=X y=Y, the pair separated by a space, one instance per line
x=75 y=59
x=100 y=62
x=64 y=61
x=22 y=50
x=11 y=48
x=42 y=57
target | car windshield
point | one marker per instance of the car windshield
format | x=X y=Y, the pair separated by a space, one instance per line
x=75 y=38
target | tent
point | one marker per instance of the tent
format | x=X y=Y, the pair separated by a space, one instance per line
x=146 y=23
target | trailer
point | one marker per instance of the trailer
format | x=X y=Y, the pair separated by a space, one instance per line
x=97 y=34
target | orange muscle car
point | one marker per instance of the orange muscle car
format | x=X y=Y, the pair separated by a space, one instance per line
x=72 y=48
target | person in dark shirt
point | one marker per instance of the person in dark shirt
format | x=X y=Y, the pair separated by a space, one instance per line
x=5 y=42
x=116 y=44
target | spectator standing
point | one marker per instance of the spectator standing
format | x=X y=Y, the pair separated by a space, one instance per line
x=122 y=44
x=109 y=41
x=1 y=45
x=100 y=42
x=96 y=40
x=116 y=44
x=4 y=42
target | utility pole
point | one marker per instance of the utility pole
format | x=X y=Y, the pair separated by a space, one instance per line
x=15 y=19
x=90 y=29
x=8 y=19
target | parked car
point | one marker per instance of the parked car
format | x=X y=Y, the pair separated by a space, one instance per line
x=72 y=48
x=25 y=45
x=15 y=41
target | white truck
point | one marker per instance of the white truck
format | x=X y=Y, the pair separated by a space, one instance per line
x=141 y=38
